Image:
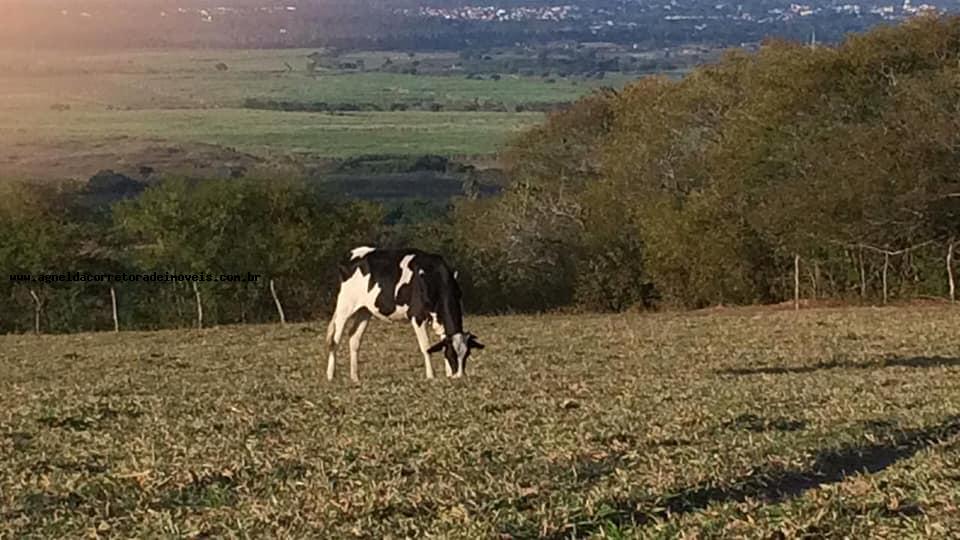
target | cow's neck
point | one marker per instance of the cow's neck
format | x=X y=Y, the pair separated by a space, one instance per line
x=450 y=315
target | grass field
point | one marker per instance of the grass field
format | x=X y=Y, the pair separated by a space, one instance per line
x=746 y=424
x=267 y=133
x=151 y=90
x=179 y=97
x=188 y=79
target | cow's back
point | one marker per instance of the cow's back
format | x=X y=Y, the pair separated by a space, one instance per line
x=412 y=283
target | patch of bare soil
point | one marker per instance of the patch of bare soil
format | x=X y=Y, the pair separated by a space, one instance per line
x=133 y=157
x=826 y=304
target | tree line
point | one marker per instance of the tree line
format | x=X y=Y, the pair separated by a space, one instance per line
x=793 y=173
x=796 y=172
x=475 y=105
x=287 y=232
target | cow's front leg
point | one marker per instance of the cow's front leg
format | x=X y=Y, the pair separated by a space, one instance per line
x=446 y=365
x=423 y=339
x=438 y=330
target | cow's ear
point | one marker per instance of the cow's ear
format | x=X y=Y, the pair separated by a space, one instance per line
x=473 y=343
x=436 y=348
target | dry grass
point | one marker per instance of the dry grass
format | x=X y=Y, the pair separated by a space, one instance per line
x=830 y=423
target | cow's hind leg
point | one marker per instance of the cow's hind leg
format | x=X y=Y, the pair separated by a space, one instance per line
x=423 y=339
x=359 y=323
x=338 y=323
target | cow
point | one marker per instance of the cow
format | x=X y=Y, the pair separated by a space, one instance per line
x=395 y=285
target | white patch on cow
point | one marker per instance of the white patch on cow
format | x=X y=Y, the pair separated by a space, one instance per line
x=354 y=294
x=356 y=290
x=360 y=252
x=406 y=274
x=437 y=327
x=398 y=314
x=459 y=345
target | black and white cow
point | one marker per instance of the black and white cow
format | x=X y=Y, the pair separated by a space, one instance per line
x=395 y=285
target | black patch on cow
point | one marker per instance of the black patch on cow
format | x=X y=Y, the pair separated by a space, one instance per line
x=386 y=273
x=405 y=293
x=432 y=288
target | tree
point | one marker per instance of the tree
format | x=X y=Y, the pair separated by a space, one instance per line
x=743 y=182
x=181 y=228
x=520 y=249
x=290 y=230
x=36 y=239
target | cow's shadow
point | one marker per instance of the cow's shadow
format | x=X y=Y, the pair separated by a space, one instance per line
x=773 y=484
x=898 y=361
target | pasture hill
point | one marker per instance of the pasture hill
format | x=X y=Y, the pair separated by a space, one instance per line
x=836 y=423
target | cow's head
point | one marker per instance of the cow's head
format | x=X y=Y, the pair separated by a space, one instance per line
x=456 y=349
